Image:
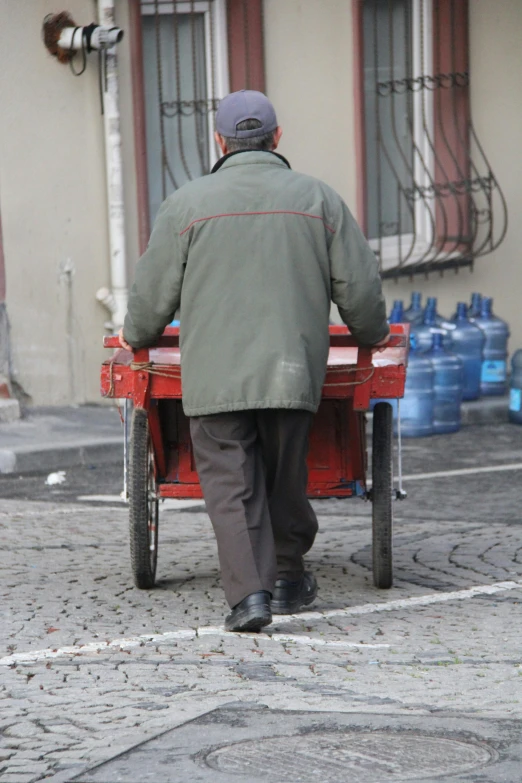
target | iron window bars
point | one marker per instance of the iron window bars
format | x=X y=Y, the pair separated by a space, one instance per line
x=185 y=67
x=432 y=199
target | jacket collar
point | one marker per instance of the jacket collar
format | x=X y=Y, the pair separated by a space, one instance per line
x=251 y=156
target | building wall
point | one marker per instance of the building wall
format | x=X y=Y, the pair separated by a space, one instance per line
x=54 y=208
x=309 y=78
x=309 y=63
x=52 y=169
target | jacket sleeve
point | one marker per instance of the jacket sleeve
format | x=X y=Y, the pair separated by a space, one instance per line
x=156 y=292
x=355 y=280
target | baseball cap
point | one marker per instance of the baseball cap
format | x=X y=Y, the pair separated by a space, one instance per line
x=245 y=105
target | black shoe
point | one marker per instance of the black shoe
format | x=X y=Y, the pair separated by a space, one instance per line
x=290 y=597
x=250 y=614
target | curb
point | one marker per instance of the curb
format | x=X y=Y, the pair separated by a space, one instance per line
x=61 y=456
x=492 y=410
x=9 y=410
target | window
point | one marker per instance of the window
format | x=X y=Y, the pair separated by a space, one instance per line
x=185 y=56
x=429 y=191
x=389 y=174
x=185 y=73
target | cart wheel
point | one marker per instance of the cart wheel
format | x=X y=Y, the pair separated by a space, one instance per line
x=143 y=504
x=382 y=488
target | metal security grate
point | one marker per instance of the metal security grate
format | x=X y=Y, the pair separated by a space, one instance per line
x=432 y=199
x=187 y=48
x=181 y=92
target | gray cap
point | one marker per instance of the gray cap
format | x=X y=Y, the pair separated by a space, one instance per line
x=245 y=105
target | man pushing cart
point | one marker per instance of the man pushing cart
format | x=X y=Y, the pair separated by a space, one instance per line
x=252 y=256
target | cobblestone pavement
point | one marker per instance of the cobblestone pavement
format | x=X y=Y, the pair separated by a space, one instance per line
x=65 y=583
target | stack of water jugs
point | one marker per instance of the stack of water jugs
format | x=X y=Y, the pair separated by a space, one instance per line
x=453 y=360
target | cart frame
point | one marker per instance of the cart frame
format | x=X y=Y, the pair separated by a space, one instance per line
x=161 y=463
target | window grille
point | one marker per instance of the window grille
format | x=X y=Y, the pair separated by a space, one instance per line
x=186 y=59
x=183 y=82
x=432 y=200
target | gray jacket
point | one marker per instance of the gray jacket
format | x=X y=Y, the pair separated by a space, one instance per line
x=252 y=255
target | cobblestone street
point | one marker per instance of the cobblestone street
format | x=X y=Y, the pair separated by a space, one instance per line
x=91 y=666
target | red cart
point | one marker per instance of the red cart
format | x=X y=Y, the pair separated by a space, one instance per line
x=159 y=462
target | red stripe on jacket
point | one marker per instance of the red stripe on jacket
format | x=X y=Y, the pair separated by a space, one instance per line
x=271 y=212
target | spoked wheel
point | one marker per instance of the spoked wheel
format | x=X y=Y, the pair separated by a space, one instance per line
x=382 y=489
x=143 y=502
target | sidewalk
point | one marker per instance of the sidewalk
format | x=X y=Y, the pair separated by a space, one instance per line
x=149 y=684
x=489 y=410
x=54 y=438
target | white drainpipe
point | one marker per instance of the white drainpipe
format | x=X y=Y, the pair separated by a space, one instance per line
x=114 y=174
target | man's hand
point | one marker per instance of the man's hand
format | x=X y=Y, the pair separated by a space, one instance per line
x=381 y=345
x=123 y=341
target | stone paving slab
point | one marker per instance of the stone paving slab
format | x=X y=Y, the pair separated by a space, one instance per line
x=65 y=582
x=68 y=583
x=252 y=744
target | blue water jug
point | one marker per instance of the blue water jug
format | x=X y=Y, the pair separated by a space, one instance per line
x=397 y=313
x=494 y=357
x=431 y=309
x=416 y=407
x=468 y=344
x=414 y=313
x=474 y=308
x=515 y=393
x=447 y=385
x=432 y=323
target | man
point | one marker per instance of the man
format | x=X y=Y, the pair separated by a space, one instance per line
x=252 y=255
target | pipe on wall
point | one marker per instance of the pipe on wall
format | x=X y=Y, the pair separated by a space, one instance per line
x=114 y=171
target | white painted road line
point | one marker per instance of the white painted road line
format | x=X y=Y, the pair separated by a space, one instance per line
x=188 y=633
x=180 y=503
x=140 y=641
x=94 y=647
x=405 y=603
x=309 y=641
x=463 y=472
x=169 y=504
x=102 y=498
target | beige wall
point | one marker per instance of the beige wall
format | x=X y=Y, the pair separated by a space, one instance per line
x=52 y=169
x=309 y=78
x=53 y=206
x=309 y=51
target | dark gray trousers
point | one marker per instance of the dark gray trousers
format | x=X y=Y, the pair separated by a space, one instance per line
x=252 y=469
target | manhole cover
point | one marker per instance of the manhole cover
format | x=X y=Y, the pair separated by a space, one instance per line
x=367 y=757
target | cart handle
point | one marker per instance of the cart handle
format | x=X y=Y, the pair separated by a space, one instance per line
x=169 y=339
x=339 y=337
